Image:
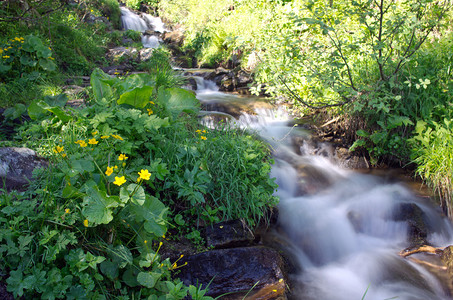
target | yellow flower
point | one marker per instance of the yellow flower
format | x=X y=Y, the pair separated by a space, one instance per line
x=144 y=175
x=58 y=149
x=203 y=137
x=122 y=157
x=115 y=167
x=145 y=241
x=81 y=143
x=85 y=223
x=150 y=111
x=92 y=141
x=109 y=171
x=67 y=211
x=198 y=131
x=94 y=132
x=63 y=155
x=6 y=56
x=151 y=102
x=105 y=137
x=117 y=137
x=119 y=180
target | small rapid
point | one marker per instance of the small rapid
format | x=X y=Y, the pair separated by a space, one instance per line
x=342 y=229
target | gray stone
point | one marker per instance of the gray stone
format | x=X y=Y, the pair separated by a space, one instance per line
x=17 y=165
x=145 y=54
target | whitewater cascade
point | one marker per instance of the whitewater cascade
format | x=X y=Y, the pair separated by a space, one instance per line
x=143 y=23
x=342 y=227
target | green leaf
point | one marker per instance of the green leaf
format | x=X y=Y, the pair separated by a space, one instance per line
x=137 y=97
x=28 y=61
x=82 y=165
x=35 y=111
x=177 y=100
x=47 y=64
x=153 y=214
x=357 y=144
x=100 y=84
x=97 y=205
x=137 y=198
x=179 y=220
x=109 y=269
x=362 y=133
x=148 y=279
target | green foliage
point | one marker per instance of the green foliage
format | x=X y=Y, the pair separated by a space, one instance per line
x=111 y=10
x=106 y=201
x=133 y=35
x=432 y=152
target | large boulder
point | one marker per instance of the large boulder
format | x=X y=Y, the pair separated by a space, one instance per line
x=17 y=165
x=253 y=270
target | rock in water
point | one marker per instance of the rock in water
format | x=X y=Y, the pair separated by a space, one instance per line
x=17 y=165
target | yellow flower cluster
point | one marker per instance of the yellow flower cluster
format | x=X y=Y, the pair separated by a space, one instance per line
x=201 y=132
x=81 y=143
x=58 y=150
x=18 y=39
x=115 y=136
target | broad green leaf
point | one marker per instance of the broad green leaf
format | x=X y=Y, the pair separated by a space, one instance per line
x=137 y=197
x=35 y=111
x=109 y=269
x=28 y=61
x=32 y=43
x=137 y=97
x=82 y=165
x=177 y=100
x=47 y=64
x=148 y=279
x=100 y=84
x=130 y=276
x=58 y=100
x=153 y=213
x=97 y=205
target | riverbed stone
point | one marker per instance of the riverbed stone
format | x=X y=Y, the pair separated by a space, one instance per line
x=228 y=234
x=414 y=216
x=236 y=271
x=17 y=165
x=122 y=54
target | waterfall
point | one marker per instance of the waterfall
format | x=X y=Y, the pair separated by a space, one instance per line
x=343 y=228
x=143 y=23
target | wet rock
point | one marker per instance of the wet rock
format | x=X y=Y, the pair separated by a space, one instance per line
x=346 y=159
x=191 y=84
x=236 y=270
x=17 y=165
x=228 y=234
x=415 y=218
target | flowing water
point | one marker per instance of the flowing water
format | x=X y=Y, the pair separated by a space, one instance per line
x=143 y=23
x=341 y=227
